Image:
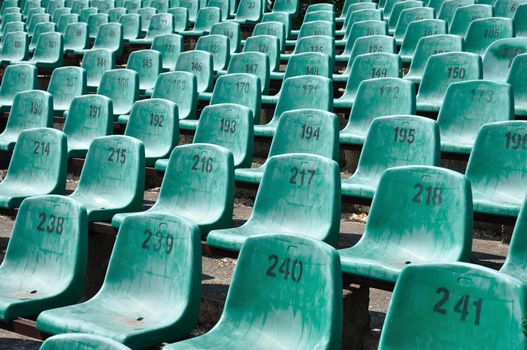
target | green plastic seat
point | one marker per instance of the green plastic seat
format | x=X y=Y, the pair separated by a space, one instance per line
x=396 y=12
x=75 y=37
x=8 y=18
x=206 y=18
x=132 y=6
x=127 y=308
x=112 y=179
x=255 y=63
x=299 y=194
x=307 y=63
x=448 y=9
x=249 y=11
x=105 y=6
x=441 y=71
x=36 y=19
x=520 y=24
x=483 y=32
x=148 y=65
x=367 y=66
x=469 y=105
x=267 y=44
x=52 y=5
x=65 y=20
x=358 y=30
x=319 y=16
x=203 y=194
x=417 y=30
x=192 y=7
x=223 y=5
x=370 y=44
x=116 y=13
x=79 y=5
x=96 y=62
x=155 y=123
x=499 y=57
x=359 y=15
x=218 y=46
x=516 y=80
x=38 y=167
x=86 y=13
x=110 y=37
x=408 y=16
x=9 y=10
x=45 y=262
x=466 y=14
x=351 y=6
x=200 y=64
x=131 y=26
x=232 y=31
x=10 y=27
x=91 y=116
x=507 y=8
x=160 y=24
x=146 y=14
x=7 y=4
x=280 y=316
x=515 y=262
x=49 y=51
x=160 y=5
x=14 y=48
x=34 y=11
x=431 y=223
x=273 y=28
x=498 y=182
x=122 y=86
x=288 y=6
x=423 y=312
x=28 y=5
x=66 y=83
x=95 y=21
x=315 y=43
x=392 y=141
x=31 y=109
x=169 y=46
x=16 y=78
x=81 y=342
x=309 y=131
x=314 y=28
x=309 y=91
x=281 y=17
x=39 y=29
x=428 y=46
x=180 y=17
x=58 y=13
x=392 y=96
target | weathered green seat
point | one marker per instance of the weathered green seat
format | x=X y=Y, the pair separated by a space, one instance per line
x=206 y=18
x=441 y=71
x=280 y=316
x=223 y=5
x=515 y=262
x=75 y=37
x=28 y=5
x=249 y=11
x=466 y=14
x=105 y=6
x=112 y=179
x=367 y=66
x=9 y=18
x=358 y=30
x=160 y=24
x=218 y=46
x=281 y=17
x=192 y=7
x=10 y=27
x=255 y=63
x=57 y=14
x=351 y=6
x=499 y=56
x=122 y=86
x=198 y=63
x=299 y=194
x=65 y=20
x=109 y=37
x=7 y=4
x=160 y=5
x=273 y=28
x=370 y=44
x=81 y=342
x=39 y=29
x=132 y=6
x=38 y=167
x=396 y=12
x=232 y=31
x=318 y=16
x=131 y=23
x=455 y=305
x=16 y=78
x=52 y=5
x=31 y=109
x=95 y=21
x=314 y=28
x=148 y=65
x=180 y=17
x=150 y=250
x=66 y=83
x=146 y=13
x=199 y=191
x=448 y=9
x=310 y=91
x=315 y=43
x=520 y=25
x=299 y=131
x=392 y=141
x=319 y=7
x=154 y=122
x=307 y=63
x=85 y=15
x=483 y=32
x=45 y=263
x=90 y=116
x=469 y=105
x=78 y=5
x=498 y=182
x=267 y=44
x=516 y=80
x=288 y=6
x=507 y=8
x=36 y=19
x=14 y=48
x=115 y=14
x=49 y=51
x=96 y=62
x=409 y=16
x=169 y=46
x=392 y=96
x=428 y=46
x=359 y=15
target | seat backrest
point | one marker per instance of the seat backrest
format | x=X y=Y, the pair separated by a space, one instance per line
x=507 y=8
x=105 y=6
x=60 y=12
x=309 y=131
x=192 y=6
x=132 y=6
x=36 y=19
x=317 y=43
x=228 y=125
x=267 y=44
x=370 y=44
x=40 y=161
x=317 y=28
x=200 y=64
x=95 y=21
x=398 y=8
x=79 y=5
x=14 y=46
x=515 y=78
x=14 y=27
x=223 y=5
x=255 y=63
x=96 y=62
x=81 y=342
x=520 y=25
x=181 y=88
x=408 y=16
x=160 y=24
x=148 y=65
x=364 y=28
x=232 y=31
x=131 y=25
x=419 y=29
x=499 y=56
x=300 y=194
x=122 y=86
x=207 y=17
x=66 y=20
x=116 y=13
x=17 y=78
x=65 y=84
x=287 y=6
x=180 y=16
x=218 y=46
x=281 y=17
x=483 y=32
x=273 y=28
x=309 y=63
x=110 y=36
x=86 y=13
x=455 y=304
x=319 y=16
x=39 y=29
x=251 y=10
x=31 y=109
x=169 y=46
x=146 y=14
x=448 y=8
x=76 y=36
x=367 y=14
x=50 y=47
x=465 y=15
x=160 y=5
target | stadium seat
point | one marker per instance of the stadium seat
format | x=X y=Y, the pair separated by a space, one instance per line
x=507 y=8
x=28 y=5
x=499 y=56
x=52 y=5
x=469 y=105
x=115 y=14
x=66 y=83
x=232 y=31
x=109 y=37
x=515 y=78
x=122 y=86
x=280 y=316
x=13 y=27
x=131 y=26
x=483 y=32
x=307 y=63
x=515 y=262
x=16 y=78
x=281 y=17
x=148 y=65
x=160 y=24
x=112 y=179
x=299 y=131
x=146 y=14
x=498 y=182
x=132 y=6
x=218 y=46
x=104 y=6
x=81 y=342
x=314 y=43
x=96 y=62
x=192 y=7
x=57 y=14
x=199 y=191
x=155 y=123
x=49 y=51
x=200 y=64
x=79 y=5
x=181 y=18
x=65 y=20
x=223 y=6
x=465 y=15
x=14 y=48
x=161 y=6
x=520 y=25
x=127 y=308
x=428 y=46
x=408 y=16
x=288 y=6
x=50 y=234
x=392 y=96
x=75 y=37
x=7 y=4
x=206 y=18
x=358 y=30
x=249 y=11
x=456 y=304
x=352 y=6
x=448 y=9
x=169 y=46
x=299 y=194
x=396 y=12
x=275 y=28
x=41 y=28
x=255 y=63
x=9 y=18
x=328 y=16
x=310 y=91
x=367 y=66
x=85 y=15
x=95 y=21
x=38 y=167
x=314 y=28
x=442 y=70
x=368 y=14
x=267 y=44
x=91 y=116
x=36 y=19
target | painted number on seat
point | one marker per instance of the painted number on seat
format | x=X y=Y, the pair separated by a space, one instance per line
x=461 y=306
x=50 y=224
x=432 y=195
x=309 y=132
x=404 y=135
x=158 y=241
x=301 y=177
x=516 y=140
x=117 y=155
x=203 y=164
x=157 y=120
x=41 y=148
x=291 y=270
x=482 y=94
x=228 y=125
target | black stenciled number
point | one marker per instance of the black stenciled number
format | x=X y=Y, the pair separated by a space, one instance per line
x=228 y=125
x=389 y=91
x=270 y=272
x=41 y=148
x=157 y=120
x=159 y=238
x=404 y=135
x=196 y=66
x=95 y=111
x=516 y=140
x=482 y=94
x=456 y=72
x=117 y=155
x=203 y=164
x=438 y=306
x=54 y=224
x=251 y=68
x=145 y=244
x=378 y=72
x=242 y=87
x=461 y=306
x=290 y=271
x=36 y=108
x=42 y=217
x=295 y=172
x=309 y=132
x=433 y=194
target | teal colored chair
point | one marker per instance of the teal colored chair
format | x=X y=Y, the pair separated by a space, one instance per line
x=499 y=56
